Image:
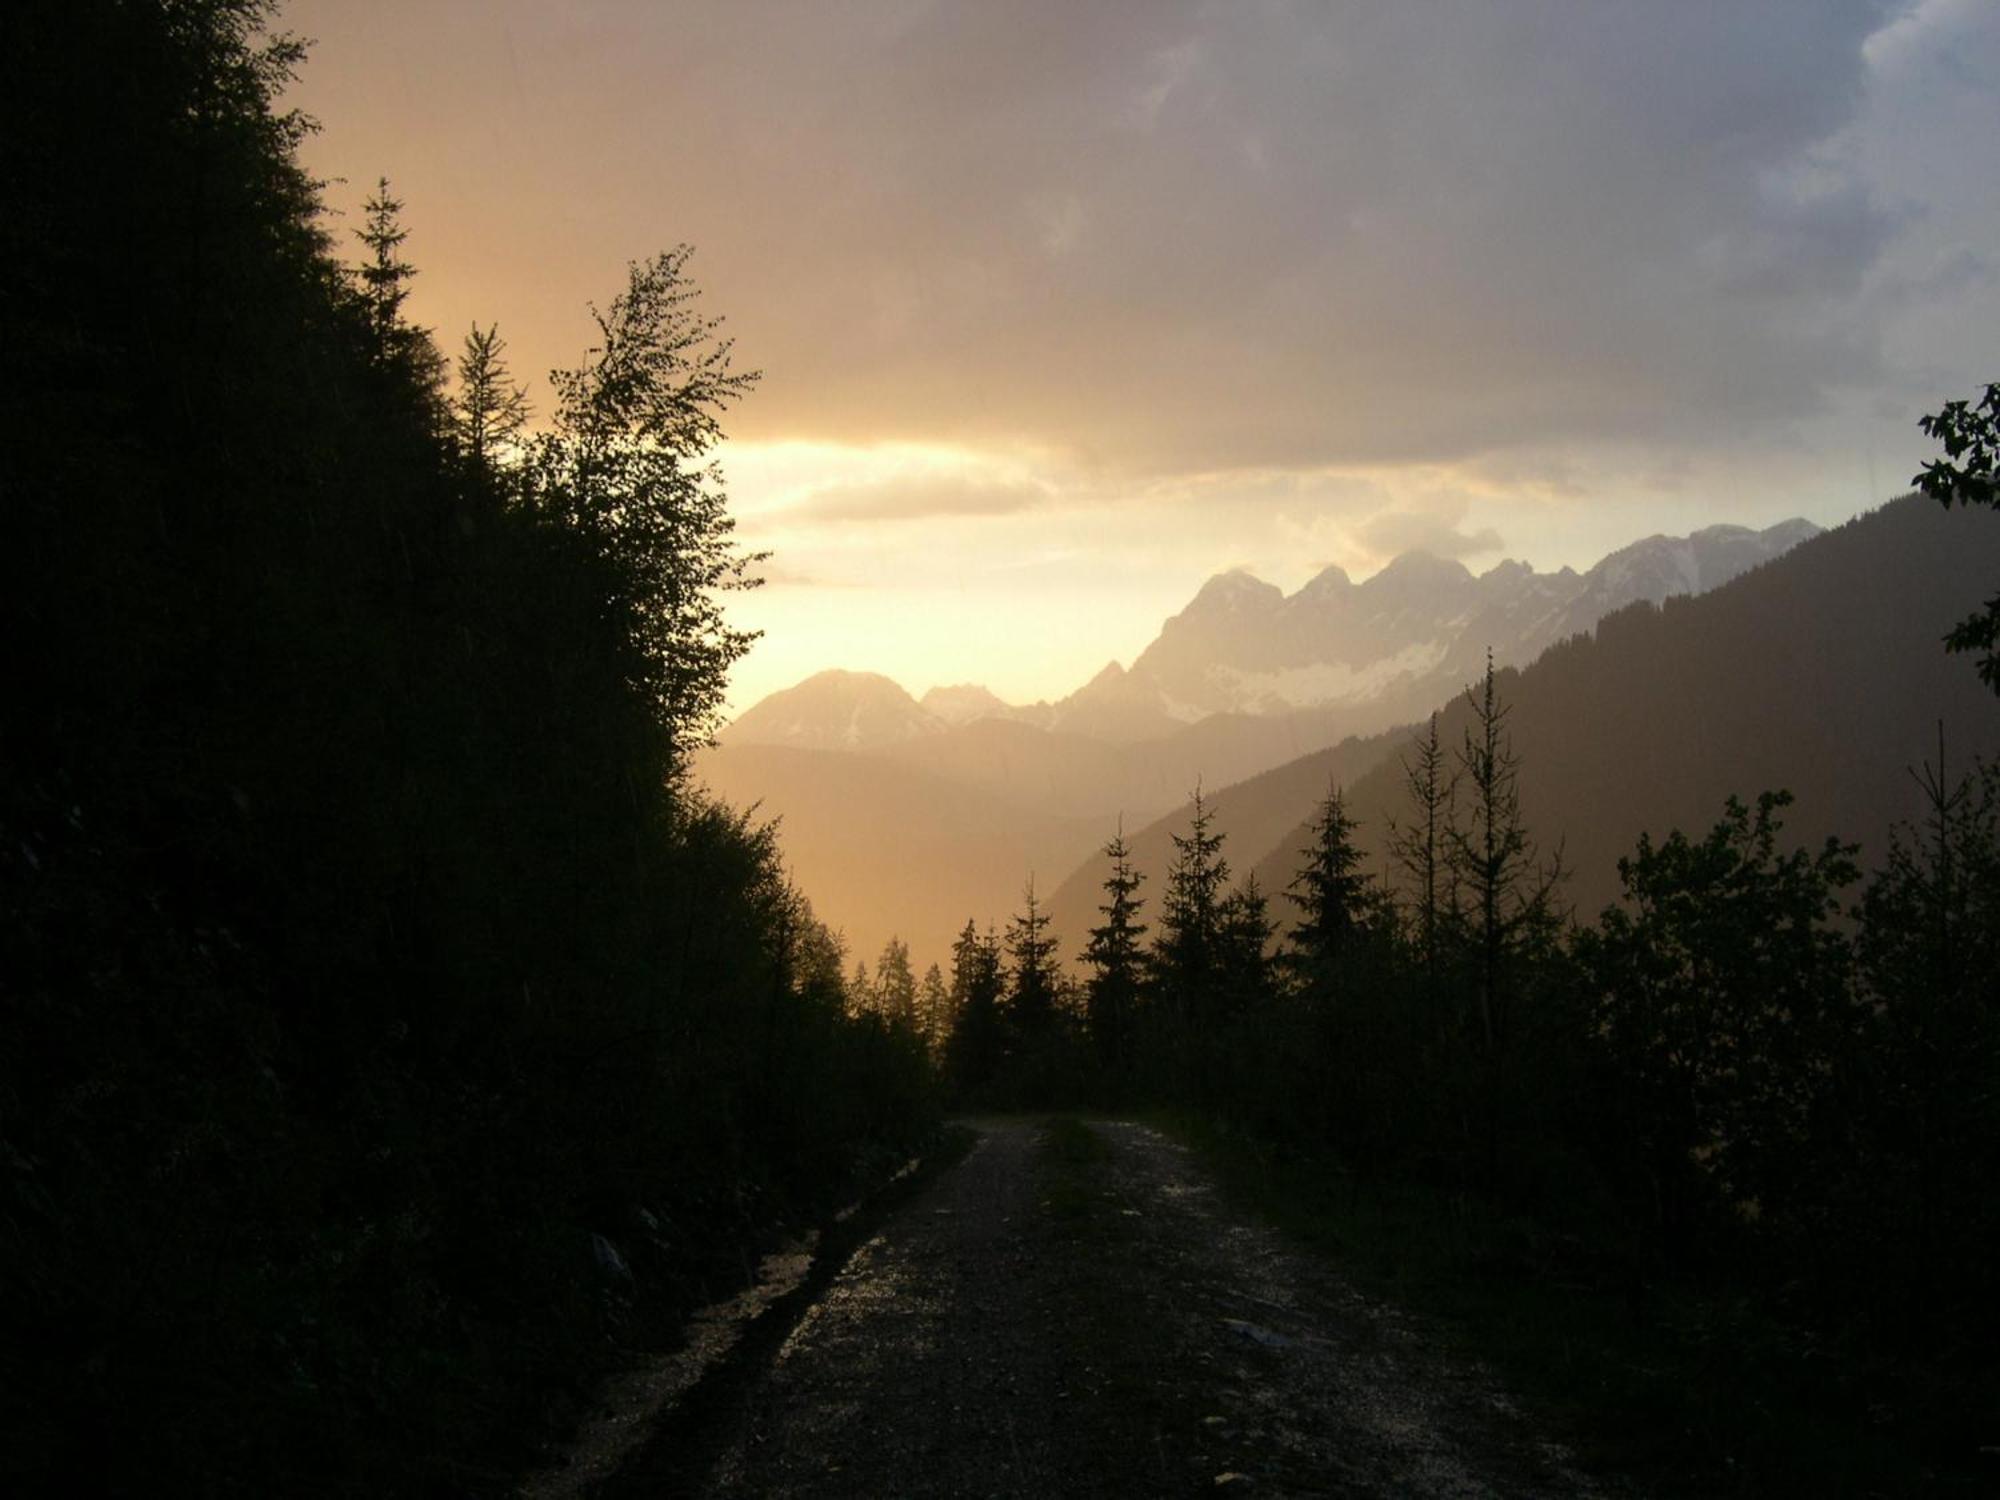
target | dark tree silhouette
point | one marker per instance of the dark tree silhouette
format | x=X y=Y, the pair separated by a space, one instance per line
x=1494 y=861
x=894 y=996
x=1336 y=903
x=1718 y=983
x=385 y=285
x=360 y=957
x=934 y=1016
x=1930 y=956
x=1969 y=474
x=1032 y=977
x=385 y=275
x=625 y=464
x=489 y=410
x=1185 y=998
x=1116 y=963
x=1246 y=972
x=977 y=984
x=1422 y=849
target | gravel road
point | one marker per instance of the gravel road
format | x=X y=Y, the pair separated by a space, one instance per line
x=1098 y=1322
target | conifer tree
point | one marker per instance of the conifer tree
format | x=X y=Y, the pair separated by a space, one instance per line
x=385 y=284
x=934 y=1014
x=1506 y=892
x=1421 y=848
x=1032 y=976
x=1116 y=963
x=1184 y=957
x=972 y=1055
x=1334 y=900
x=489 y=410
x=895 y=986
x=1246 y=976
x=385 y=275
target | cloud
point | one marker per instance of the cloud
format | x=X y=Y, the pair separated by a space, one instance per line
x=914 y=497
x=1393 y=533
x=774 y=574
x=1169 y=237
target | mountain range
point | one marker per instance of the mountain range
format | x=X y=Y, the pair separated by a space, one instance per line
x=863 y=776
x=1363 y=656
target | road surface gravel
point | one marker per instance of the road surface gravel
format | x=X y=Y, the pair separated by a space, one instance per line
x=1105 y=1324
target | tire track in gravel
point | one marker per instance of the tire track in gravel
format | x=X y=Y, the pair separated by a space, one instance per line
x=1313 y=1387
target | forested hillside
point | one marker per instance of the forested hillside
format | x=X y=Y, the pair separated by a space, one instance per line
x=1821 y=672
x=389 y=1025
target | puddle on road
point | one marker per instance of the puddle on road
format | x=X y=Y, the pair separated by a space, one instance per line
x=632 y=1404
x=633 y=1401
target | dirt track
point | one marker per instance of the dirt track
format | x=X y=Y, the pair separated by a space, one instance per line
x=1100 y=1324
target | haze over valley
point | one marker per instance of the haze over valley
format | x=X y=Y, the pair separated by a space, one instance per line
x=1242 y=680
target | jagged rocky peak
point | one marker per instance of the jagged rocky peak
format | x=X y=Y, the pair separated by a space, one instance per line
x=1419 y=572
x=1328 y=585
x=1237 y=590
x=835 y=710
x=1396 y=645
x=964 y=702
x=1660 y=567
x=1509 y=571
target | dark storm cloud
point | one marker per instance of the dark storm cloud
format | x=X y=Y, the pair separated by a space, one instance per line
x=1285 y=234
x=913 y=497
x=1182 y=236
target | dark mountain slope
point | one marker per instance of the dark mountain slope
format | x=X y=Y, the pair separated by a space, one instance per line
x=1822 y=673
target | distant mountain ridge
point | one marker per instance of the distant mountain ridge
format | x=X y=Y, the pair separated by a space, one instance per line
x=1392 y=647
x=1361 y=657
x=835 y=710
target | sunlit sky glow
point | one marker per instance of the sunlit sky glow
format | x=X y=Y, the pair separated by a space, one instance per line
x=1062 y=308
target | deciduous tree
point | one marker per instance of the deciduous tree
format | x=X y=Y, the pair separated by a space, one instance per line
x=1969 y=474
x=627 y=464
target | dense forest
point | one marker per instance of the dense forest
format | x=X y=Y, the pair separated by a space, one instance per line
x=389 y=1021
